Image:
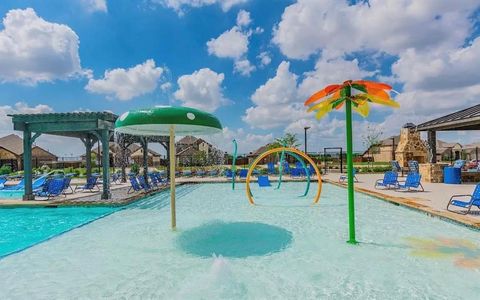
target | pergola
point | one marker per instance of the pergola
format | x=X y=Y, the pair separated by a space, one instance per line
x=467 y=119
x=87 y=126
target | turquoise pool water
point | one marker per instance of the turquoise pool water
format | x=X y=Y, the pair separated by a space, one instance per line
x=132 y=253
x=23 y=227
x=6 y=194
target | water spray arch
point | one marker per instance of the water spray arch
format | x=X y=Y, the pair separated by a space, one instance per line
x=283 y=149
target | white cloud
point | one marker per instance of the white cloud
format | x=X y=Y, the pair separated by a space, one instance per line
x=6 y=125
x=387 y=25
x=180 y=5
x=264 y=58
x=243 y=67
x=202 y=89
x=125 y=84
x=329 y=71
x=243 y=18
x=33 y=50
x=95 y=5
x=233 y=44
x=276 y=101
x=247 y=142
x=230 y=44
x=444 y=70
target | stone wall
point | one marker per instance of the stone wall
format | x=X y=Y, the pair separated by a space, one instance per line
x=432 y=172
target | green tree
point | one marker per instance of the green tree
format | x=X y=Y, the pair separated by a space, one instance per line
x=289 y=140
x=372 y=139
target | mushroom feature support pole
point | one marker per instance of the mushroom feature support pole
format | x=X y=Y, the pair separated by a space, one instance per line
x=168 y=121
x=172 y=176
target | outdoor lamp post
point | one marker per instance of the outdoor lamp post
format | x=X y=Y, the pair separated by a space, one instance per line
x=306 y=128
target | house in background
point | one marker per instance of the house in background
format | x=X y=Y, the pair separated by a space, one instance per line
x=384 y=151
x=153 y=158
x=189 y=147
x=11 y=151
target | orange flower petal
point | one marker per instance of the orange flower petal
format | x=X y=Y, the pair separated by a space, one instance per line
x=322 y=93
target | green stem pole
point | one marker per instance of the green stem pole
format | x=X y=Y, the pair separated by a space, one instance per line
x=234 y=159
x=351 y=195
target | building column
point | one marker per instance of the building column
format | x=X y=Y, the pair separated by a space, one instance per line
x=106 y=164
x=432 y=145
x=27 y=164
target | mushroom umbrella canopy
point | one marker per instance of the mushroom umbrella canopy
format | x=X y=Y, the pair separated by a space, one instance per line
x=168 y=120
x=356 y=95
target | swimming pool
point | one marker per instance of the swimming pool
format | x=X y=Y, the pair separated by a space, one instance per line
x=133 y=254
x=11 y=194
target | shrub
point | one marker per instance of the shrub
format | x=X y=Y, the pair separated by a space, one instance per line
x=5 y=170
x=134 y=168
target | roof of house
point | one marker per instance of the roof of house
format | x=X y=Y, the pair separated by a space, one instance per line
x=13 y=143
x=187 y=140
x=466 y=119
x=259 y=150
x=388 y=141
x=139 y=152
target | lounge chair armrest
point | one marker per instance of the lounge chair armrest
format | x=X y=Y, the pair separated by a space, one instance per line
x=460 y=196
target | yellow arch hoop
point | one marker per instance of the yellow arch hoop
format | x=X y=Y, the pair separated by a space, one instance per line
x=280 y=149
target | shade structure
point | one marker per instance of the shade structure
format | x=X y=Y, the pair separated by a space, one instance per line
x=158 y=120
x=168 y=120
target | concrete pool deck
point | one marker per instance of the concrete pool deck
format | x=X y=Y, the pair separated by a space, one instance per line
x=432 y=201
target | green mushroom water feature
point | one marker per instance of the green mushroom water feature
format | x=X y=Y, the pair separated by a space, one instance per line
x=168 y=121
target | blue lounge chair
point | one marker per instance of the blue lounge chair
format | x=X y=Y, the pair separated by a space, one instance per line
x=228 y=173
x=187 y=173
x=390 y=180
x=397 y=168
x=459 y=164
x=143 y=183
x=134 y=186
x=92 y=183
x=295 y=172
x=412 y=182
x=311 y=170
x=115 y=178
x=473 y=201
x=18 y=186
x=213 y=173
x=243 y=173
x=263 y=181
x=201 y=173
x=344 y=177
x=67 y=180
x=159 y=178
x=2 y=182
x=37 y=184
x=270 y=168
x=286 y=168
x=413 y=166
x=53 y=188
x=154 y=180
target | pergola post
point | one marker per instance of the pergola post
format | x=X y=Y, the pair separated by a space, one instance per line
x=432 y=144
x=145 y=158
x=105 y=164
x=27 y=164
x=88 y=156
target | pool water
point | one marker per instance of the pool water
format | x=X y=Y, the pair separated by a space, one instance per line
x=13 y=194
x=132 y=253
x=21 y=228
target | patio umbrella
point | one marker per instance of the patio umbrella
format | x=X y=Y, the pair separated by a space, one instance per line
x=168 y=121
x=356 y=95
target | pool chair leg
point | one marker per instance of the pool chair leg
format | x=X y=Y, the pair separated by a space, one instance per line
x=423 y=190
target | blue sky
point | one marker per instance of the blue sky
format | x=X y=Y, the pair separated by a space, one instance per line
x=252 y=63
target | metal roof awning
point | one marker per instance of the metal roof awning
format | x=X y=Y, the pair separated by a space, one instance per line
x=466 y=119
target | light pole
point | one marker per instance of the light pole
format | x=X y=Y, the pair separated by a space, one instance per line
x=306 y=128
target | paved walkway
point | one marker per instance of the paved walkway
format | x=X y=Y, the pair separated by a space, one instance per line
x=433 y=200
